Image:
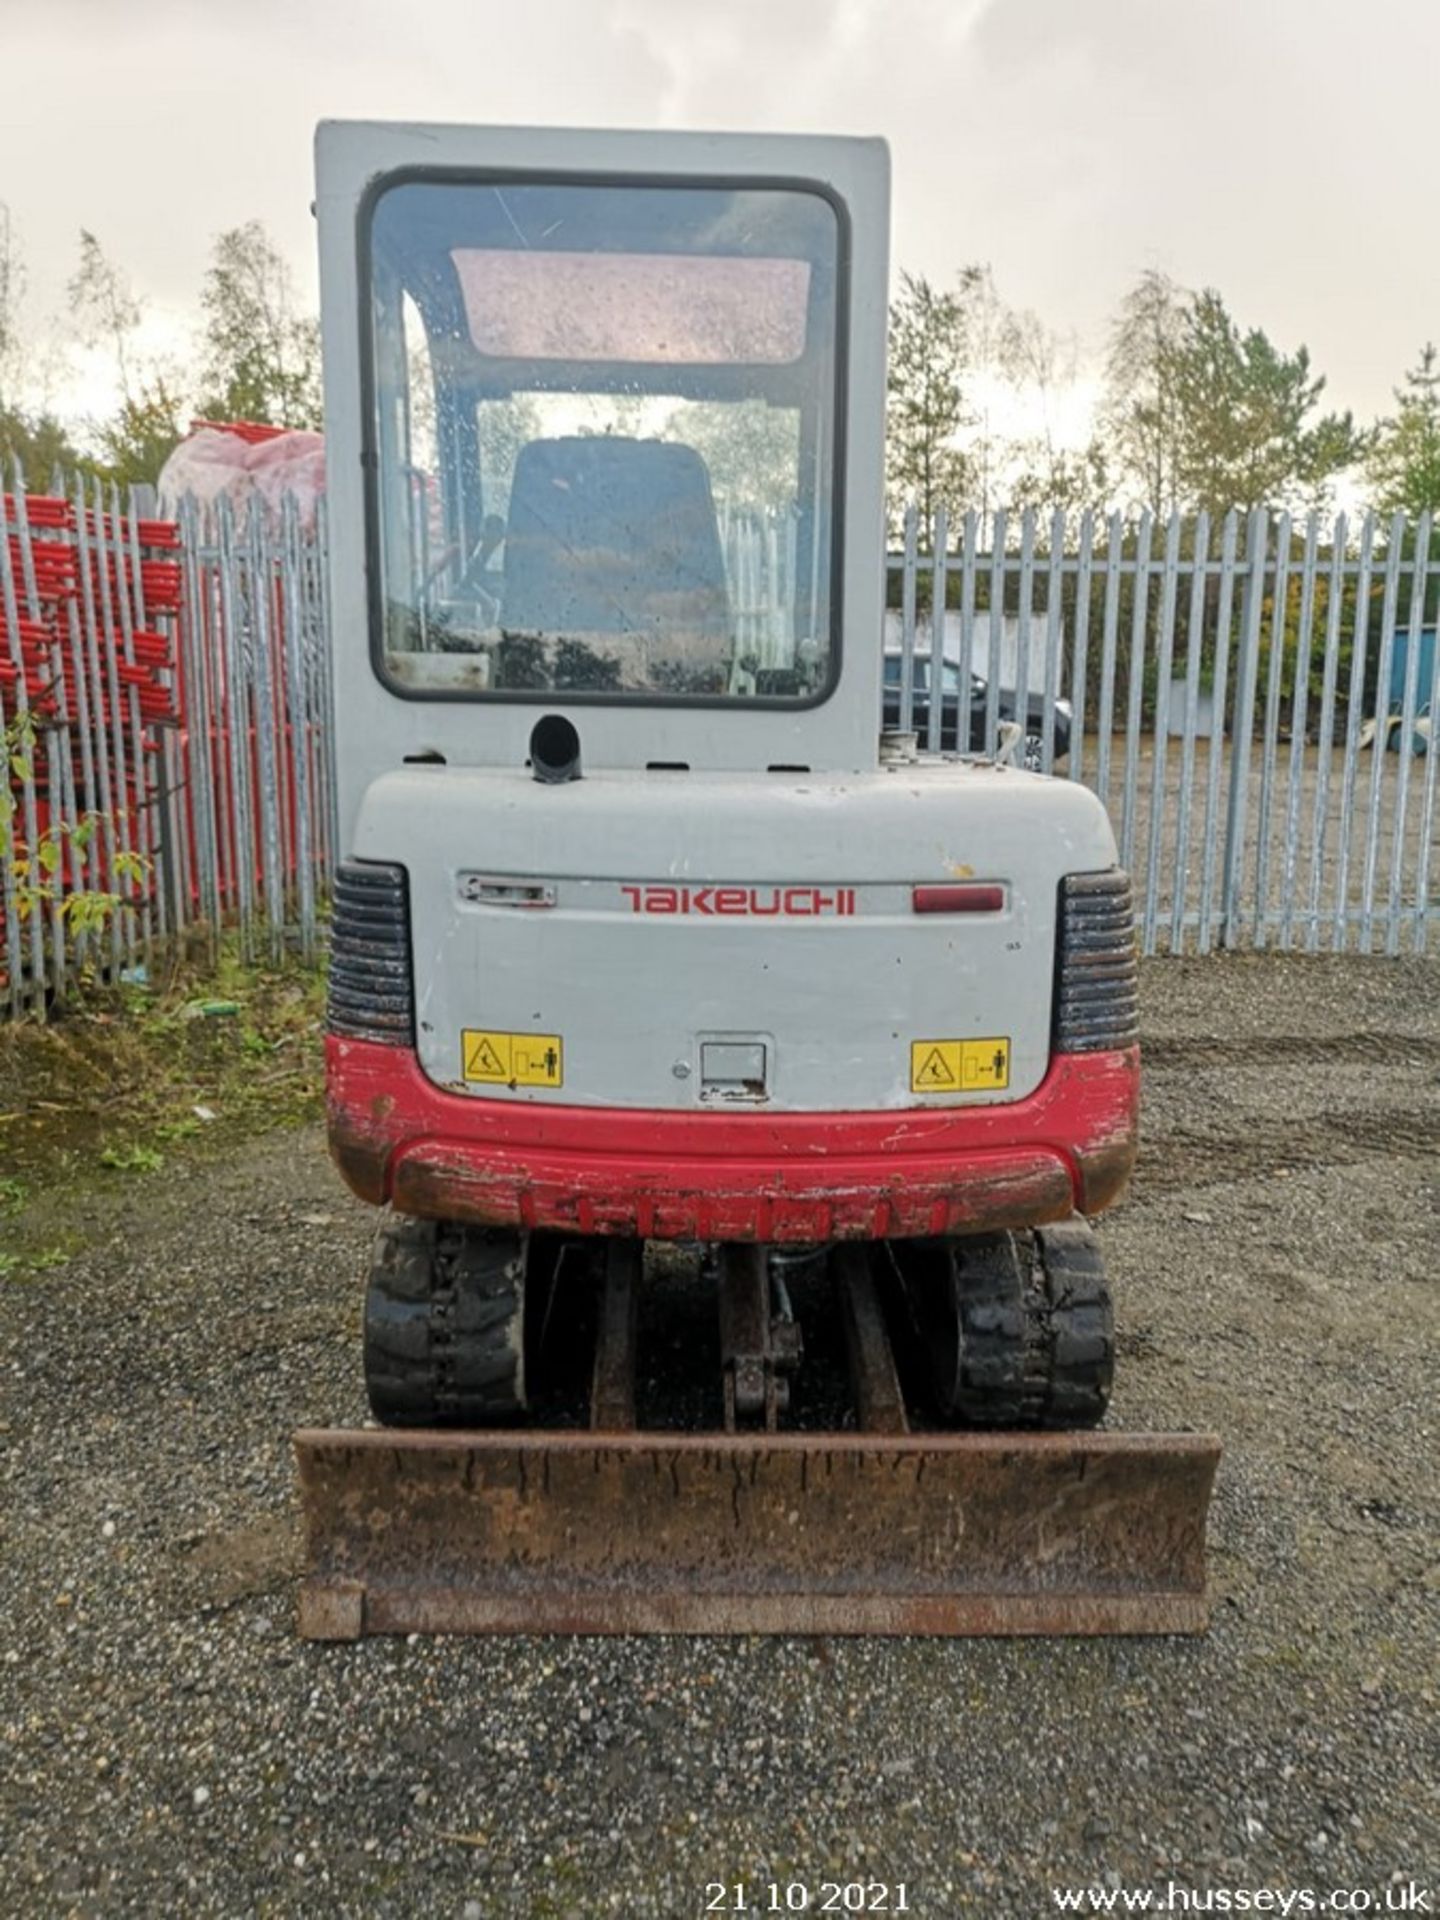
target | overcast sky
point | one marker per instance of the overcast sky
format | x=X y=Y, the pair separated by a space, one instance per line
x=1280 y=150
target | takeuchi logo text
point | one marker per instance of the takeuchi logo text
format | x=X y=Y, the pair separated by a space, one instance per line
x=795 y=903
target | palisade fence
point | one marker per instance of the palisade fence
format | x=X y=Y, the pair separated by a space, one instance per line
x=1252 y=701
x=165 y=705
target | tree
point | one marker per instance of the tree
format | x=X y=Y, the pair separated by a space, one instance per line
x=1404 y=463
x=12 y=290
x=1139 y=413
x=926 y=411
x=105 y=308
x=1243 y=433
x=1047 y=477
x=988 y=451
x=1035 y=366
x=134 y=442
x=750 y=449
x=261 y=359
x=40 y=444
x=995 y=413
x=137 y=441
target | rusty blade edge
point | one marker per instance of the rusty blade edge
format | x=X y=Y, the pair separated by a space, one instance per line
x=313 y=1442
x=356 y=1611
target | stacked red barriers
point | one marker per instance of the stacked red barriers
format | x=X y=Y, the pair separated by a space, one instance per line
x=175 y=676
x=118 y=579
x=89 y=601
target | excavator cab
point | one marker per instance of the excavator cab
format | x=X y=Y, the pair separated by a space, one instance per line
x=644 y=944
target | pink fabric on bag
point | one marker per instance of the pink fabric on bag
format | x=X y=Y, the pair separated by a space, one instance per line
x=220 y=462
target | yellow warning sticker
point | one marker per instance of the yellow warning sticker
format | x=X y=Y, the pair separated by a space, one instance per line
x=959 y=1066
x=513 y=1059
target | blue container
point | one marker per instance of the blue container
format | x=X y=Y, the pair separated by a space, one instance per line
x=1424 y=678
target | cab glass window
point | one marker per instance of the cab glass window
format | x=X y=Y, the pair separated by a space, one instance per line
x=604 y=438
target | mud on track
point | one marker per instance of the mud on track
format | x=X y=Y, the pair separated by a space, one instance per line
x=168 y=1746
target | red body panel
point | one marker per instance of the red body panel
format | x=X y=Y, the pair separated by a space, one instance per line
x=399 y=1139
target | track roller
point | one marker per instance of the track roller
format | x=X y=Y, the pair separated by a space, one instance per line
x=445 y=1324
x=1018 y=1327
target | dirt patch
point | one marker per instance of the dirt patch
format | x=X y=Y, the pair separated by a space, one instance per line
x=242 y=1562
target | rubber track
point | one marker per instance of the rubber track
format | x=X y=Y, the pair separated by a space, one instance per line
x=999 y=1370
x=1073 y=1306
x=443 y=1318
x=1036 y=1336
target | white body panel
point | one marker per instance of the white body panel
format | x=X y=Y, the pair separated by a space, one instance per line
x=835 y=1000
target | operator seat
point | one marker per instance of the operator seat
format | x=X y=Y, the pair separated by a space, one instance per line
x=609 y=535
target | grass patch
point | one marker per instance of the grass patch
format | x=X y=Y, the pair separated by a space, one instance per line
x=34 y=1259
x=122 y=1085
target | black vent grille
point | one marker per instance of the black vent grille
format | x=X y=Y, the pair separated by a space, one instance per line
x=371 y=995
x=1096 y=1004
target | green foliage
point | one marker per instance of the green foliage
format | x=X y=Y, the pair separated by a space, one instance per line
x=40 y=444
x=132 y=1159
x=36 y=869
x=1243 y=432
x=926 y=410
x=1200 y=414
x=14 y=1266
x=749 y=448
x=1139 y=412
x=1404 y=463
x=137 y=442
x=1050 y=477
x=261 y=358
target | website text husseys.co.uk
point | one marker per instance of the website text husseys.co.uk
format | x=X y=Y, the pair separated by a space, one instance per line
x=1401 y=1895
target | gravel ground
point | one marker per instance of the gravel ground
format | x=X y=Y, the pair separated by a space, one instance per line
x=170 y=1747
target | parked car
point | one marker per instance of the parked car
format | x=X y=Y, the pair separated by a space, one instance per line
x=950 y=710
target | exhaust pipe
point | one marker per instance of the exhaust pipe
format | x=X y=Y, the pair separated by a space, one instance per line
x=554 y=750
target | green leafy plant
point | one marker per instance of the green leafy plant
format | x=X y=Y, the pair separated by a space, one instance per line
x=133 y=1159
x=37 y=869
x=44 y=1260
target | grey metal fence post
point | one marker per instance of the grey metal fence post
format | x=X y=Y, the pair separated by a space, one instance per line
x=907 y=623
x=1135 y=687
x=1164 y=667
x=1194 y=645
x=1247 y=668
x=938 y=591
x=1410 y=686
x=1270 y=738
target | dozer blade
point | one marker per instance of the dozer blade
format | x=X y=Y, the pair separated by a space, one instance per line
x=828 y=1533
